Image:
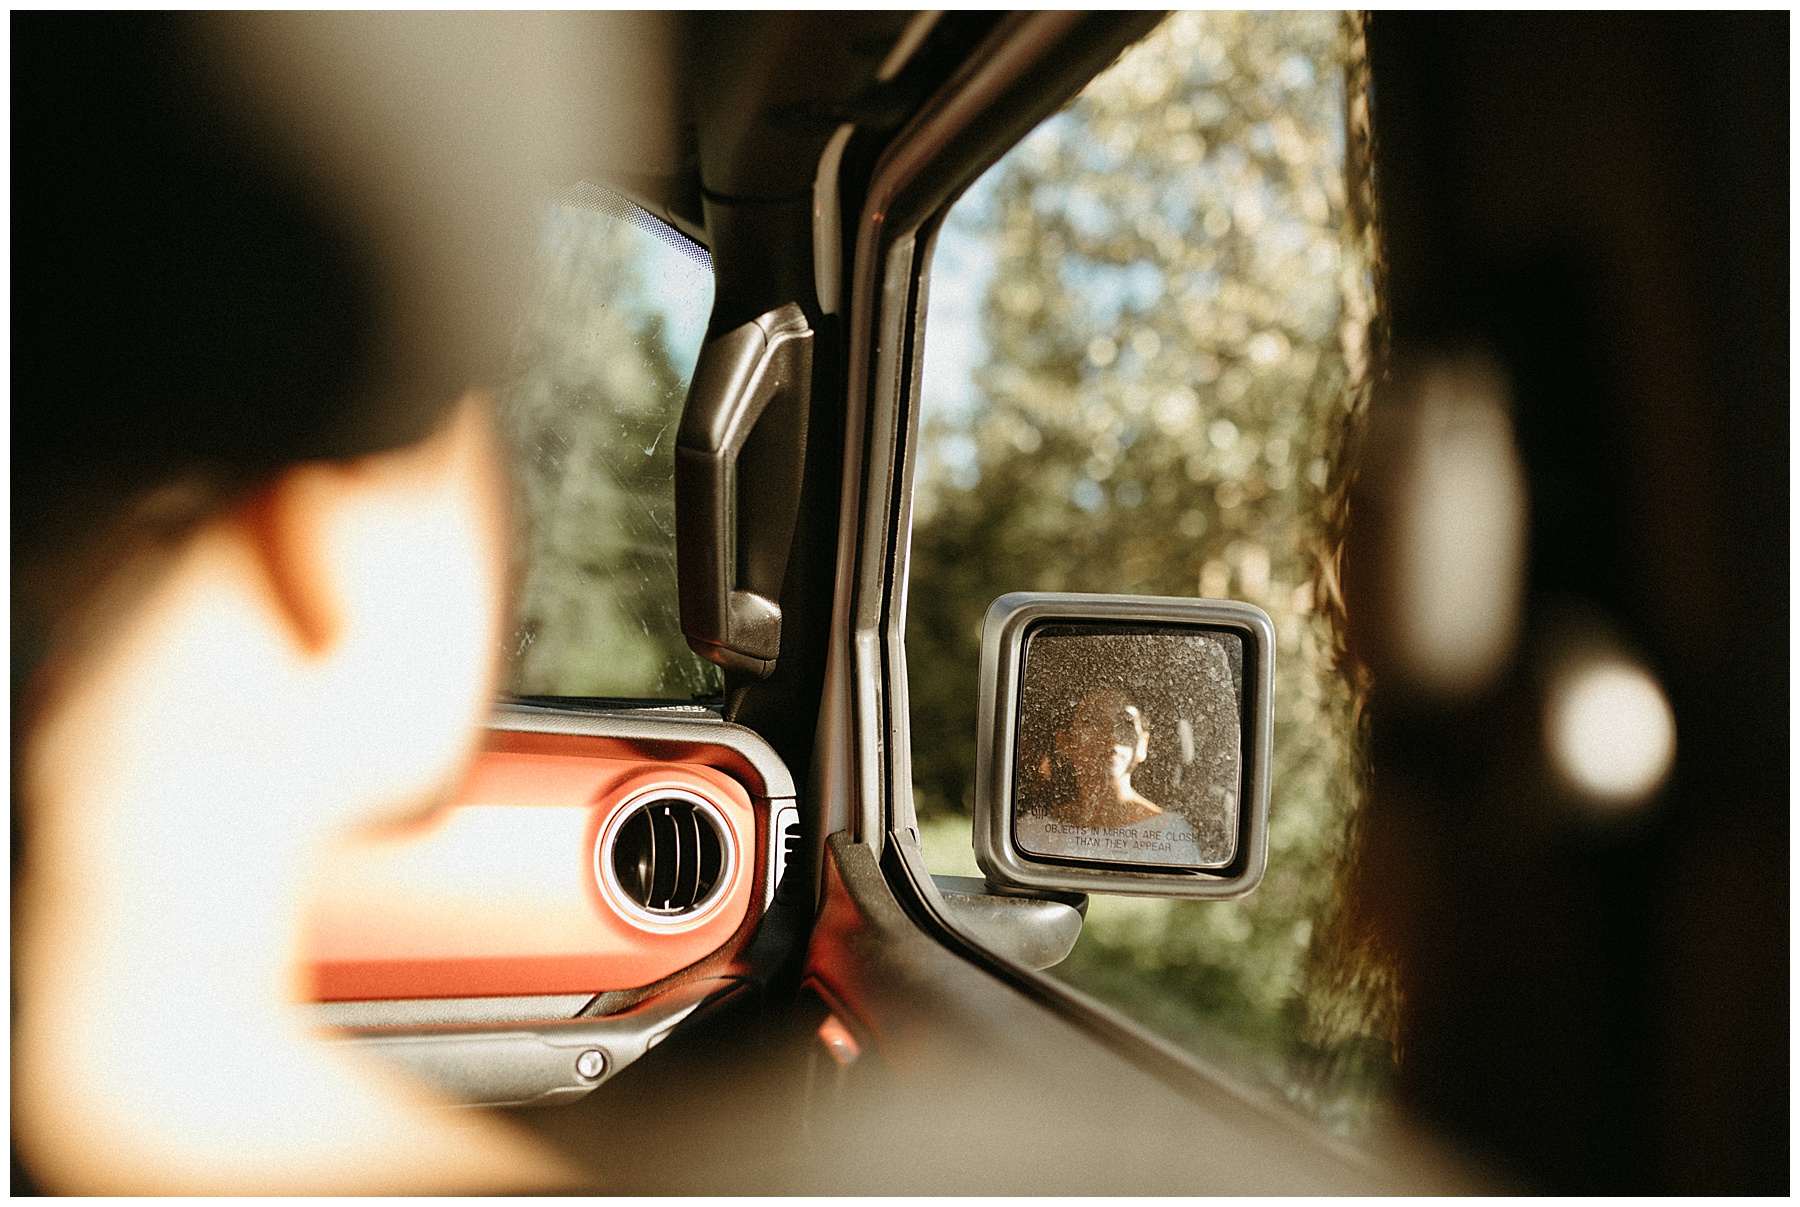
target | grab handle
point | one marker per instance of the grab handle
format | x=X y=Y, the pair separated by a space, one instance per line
x=738 y=458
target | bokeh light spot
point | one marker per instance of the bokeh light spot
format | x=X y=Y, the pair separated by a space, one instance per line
x=1610 y=730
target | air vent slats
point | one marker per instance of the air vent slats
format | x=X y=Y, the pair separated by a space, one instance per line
x=667 y=853
x=665 y=857
x=687 y=870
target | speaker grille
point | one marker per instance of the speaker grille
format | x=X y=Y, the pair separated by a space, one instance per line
x=669 y=855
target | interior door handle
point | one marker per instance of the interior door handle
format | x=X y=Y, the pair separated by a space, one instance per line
x=742 y=441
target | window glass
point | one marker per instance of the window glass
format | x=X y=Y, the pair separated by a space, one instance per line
x=1146 y=345
x=613 y=323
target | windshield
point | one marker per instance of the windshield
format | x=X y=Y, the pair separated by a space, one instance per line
x=612 y=326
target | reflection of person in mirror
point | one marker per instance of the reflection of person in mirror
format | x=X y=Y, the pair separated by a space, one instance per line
x=1106 y=740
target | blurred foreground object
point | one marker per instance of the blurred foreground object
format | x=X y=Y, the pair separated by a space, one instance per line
x=441 y=135
x=1580 y=869
x=1439 y=523
x=1609 y=729
x=267 y=262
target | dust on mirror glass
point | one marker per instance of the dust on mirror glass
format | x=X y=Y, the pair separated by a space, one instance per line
x=1129 y=747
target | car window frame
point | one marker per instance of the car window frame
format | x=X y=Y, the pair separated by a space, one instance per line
x=1031 y=65
x=1027 y=69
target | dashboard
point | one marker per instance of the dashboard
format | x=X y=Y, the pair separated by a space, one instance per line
x=582 y=893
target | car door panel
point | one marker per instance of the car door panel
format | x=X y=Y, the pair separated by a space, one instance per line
x=1011 y=1097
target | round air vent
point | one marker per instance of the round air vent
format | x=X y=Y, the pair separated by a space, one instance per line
x=666 y=858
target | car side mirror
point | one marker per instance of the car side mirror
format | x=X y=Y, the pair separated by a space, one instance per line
x=1124 y=744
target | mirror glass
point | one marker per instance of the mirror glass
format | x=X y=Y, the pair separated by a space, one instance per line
x=1130 y=745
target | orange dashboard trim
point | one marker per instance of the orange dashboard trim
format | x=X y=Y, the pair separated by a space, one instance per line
x=494 y=894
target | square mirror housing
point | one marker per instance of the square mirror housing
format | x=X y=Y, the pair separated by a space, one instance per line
x=1124 y=744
